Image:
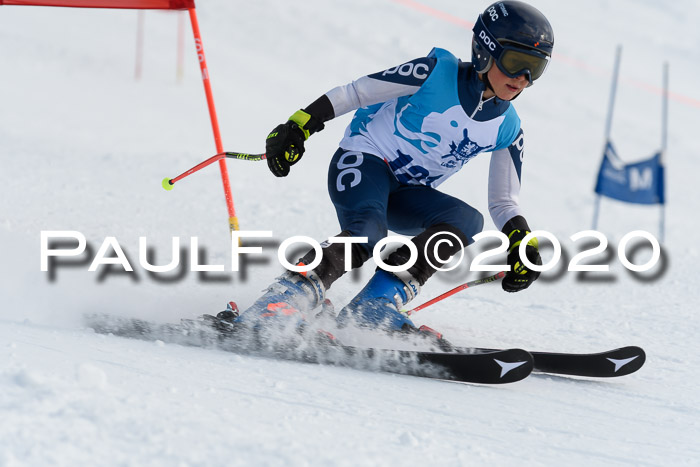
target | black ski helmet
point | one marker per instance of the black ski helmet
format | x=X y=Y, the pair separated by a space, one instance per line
x=512 y=26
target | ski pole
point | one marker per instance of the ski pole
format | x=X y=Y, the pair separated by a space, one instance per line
x=485 y=280
x=169 y=182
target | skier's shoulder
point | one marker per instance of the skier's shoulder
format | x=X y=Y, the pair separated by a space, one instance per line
x=412 y=73
x=415 y=72
x=512 y=119
x=510 y=128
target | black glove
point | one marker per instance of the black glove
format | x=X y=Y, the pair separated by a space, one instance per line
x=519 y=277
x=285 y=144
x=284 y=147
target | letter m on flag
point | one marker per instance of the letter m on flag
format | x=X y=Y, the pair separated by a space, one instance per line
x=639 y=183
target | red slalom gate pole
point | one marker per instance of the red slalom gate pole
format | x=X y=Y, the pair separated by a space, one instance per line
x=459 y=288
x=232 y=219
x=180 y=63
x=140 y=19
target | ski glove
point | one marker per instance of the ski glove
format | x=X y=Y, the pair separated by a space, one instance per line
x=519 y=277
x=285 y=144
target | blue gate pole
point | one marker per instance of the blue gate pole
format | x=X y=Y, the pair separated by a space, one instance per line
x=664 y=141
x=608 y=124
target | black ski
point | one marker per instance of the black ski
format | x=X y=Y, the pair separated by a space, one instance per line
x=490 y=367
x=468 y=365
x=608 y=364
x=611 y=363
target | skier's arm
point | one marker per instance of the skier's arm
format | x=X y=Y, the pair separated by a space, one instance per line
x=285 y=144
x=383 y=86
x=504 y=182
x=504 y=207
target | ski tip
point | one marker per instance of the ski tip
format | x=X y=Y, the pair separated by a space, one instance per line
x=609 y=364
x=626 y=360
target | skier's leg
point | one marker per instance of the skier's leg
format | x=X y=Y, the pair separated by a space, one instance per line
x=359 y=185
x=438 y=219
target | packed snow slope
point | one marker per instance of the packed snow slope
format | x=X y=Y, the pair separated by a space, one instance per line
x=84 y=148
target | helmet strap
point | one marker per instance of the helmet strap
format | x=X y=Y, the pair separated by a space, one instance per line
x=488 y=83
x=485 y=77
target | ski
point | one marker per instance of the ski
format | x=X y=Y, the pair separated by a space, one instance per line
x=491 y=367
x=607 y=364
x=468 y=365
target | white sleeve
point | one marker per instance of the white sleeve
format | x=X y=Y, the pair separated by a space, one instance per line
x=366 y=91
x=402 y=80
x=504 y=187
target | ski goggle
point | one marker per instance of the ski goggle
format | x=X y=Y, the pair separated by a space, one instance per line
x=512 y=60
x=516 y=61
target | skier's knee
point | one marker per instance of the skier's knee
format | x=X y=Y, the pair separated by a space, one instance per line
x=467 y=220
x=435 y=245
x=372 y=227
x=334 y=260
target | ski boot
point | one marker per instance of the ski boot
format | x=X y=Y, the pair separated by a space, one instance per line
x=378 y=305
x=284 y=303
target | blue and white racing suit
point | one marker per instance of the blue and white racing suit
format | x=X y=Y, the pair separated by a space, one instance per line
x=416 y=125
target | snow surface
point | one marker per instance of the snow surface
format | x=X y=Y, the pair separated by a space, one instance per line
x=84 y=147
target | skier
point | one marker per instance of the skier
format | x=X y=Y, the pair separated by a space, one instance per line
x=416 y=125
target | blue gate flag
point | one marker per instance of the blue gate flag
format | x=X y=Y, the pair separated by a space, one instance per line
x=640 y=182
